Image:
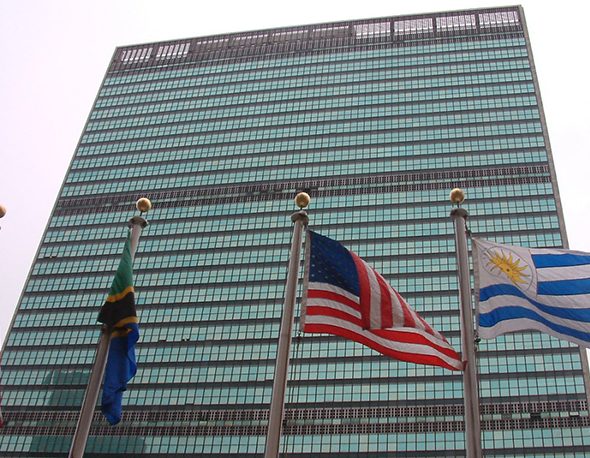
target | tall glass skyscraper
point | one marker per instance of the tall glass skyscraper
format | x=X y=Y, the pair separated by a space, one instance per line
x=377 y=120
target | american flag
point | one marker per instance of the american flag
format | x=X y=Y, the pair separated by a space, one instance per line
x=344 y=296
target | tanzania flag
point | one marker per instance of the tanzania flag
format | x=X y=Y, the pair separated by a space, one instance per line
x=118 y=312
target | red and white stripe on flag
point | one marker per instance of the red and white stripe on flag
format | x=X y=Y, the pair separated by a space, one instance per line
x=330 y=310
x=382 y=306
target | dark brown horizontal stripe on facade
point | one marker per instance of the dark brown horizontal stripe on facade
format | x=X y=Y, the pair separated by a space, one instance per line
x=254 y=421
x=322 y=187
x=310 y=429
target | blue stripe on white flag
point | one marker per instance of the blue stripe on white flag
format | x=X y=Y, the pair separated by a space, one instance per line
x=574 y=314
x=488 y=320
x=564 y=287
x=559 y=260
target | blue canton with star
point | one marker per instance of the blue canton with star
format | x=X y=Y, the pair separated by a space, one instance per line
x=331 y=263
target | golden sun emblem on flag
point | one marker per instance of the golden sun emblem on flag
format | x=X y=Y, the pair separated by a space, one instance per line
x=510 y=266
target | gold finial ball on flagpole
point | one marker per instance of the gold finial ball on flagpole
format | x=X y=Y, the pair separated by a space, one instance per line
x=2 y=211
x=143 y=205
x=302 y=199
x=457 y=196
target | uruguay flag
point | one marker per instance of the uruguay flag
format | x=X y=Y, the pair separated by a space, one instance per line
x=521 y=288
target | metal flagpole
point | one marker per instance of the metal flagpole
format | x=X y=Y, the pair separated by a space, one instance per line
x=275 y=419
x=137 y=223
x=91 y=395
x=470 y=385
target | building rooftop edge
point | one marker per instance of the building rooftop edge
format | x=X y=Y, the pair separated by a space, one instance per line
x=306 y=27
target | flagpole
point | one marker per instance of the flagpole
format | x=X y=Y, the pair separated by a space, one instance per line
x=470 y=385
x=137 y=223
x=277 y=405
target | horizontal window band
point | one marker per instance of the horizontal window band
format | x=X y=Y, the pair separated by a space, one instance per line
x=103 y=114
x=173 y=94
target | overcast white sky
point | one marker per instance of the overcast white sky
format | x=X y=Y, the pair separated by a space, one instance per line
x=54 y=55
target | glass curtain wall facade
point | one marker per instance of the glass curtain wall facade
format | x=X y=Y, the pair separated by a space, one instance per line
x=377 y=120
